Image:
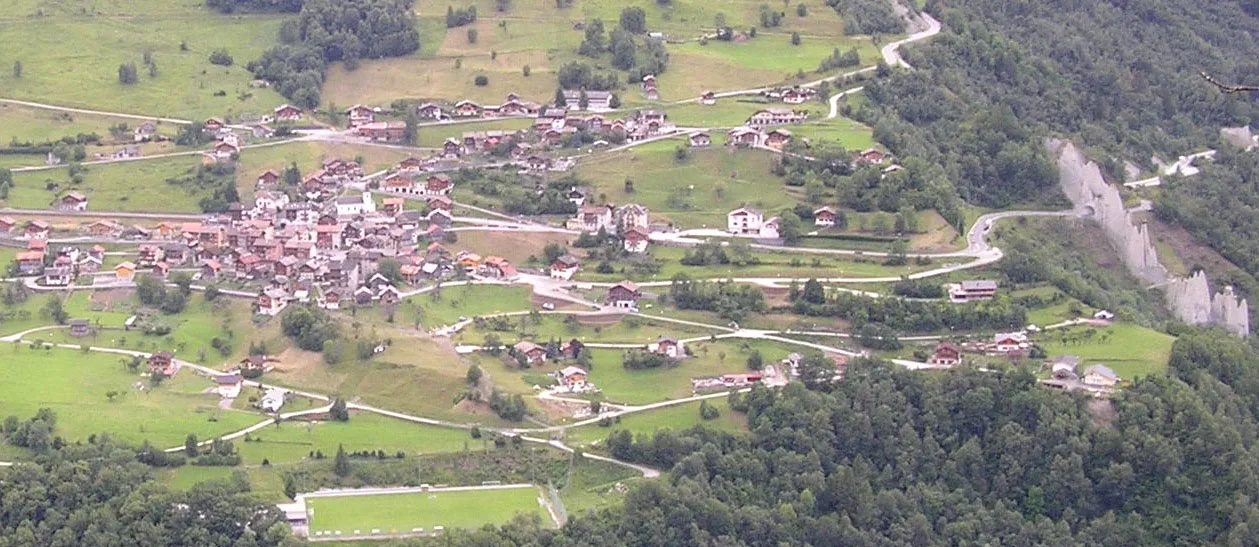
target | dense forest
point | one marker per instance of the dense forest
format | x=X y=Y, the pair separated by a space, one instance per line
x=1118 y=76
x=328 y=31
x=895 y=458
x=99 y=494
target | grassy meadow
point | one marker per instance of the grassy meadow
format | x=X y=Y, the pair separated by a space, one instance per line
x=75 y=386
x=73 y=61
x=293 y=441
x=398 y=513
x=1130 y=350
x=677 y=417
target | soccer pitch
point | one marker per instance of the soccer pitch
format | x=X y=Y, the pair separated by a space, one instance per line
x=401 y=513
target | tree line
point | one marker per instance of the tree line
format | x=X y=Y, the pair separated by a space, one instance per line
x=889 y=457
x=327 y=31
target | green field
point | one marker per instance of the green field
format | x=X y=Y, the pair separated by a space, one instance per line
x=400 y=513
x=771 y=265
x=1130 y=350
x=625 y=331
x=676 y=417
x=694 y=193
x=128 y=186
x=446 y=305
x=292 y=441
x=192 y=331
x=37 y=125
x=74 y=385
x=622 y=385
x=74 y=61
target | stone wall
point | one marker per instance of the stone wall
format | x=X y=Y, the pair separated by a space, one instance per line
x=1189 y=300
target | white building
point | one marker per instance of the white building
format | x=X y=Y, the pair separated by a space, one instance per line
x=349 y=206
x=745 y=220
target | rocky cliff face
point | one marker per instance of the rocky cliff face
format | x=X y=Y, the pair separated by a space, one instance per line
x=1189 y=300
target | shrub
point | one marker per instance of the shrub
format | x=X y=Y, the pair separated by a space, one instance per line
x=482 y=80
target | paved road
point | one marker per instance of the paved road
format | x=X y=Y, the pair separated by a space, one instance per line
x=95 y=112
x=891 y=52
x=152 y=157
x=104 y=214
x=834 y=100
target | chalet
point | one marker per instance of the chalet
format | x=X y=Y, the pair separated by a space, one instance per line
x=777 y=138
x=468 y=261
x=268 y=178
x=1103 y=315
x=393 y=205
x=871 y=156
x=161 y=270
x=363 y=295
x=576 y=195
x=745 y=137
x=72 y=201
x=212 y=124
x=150 y=254
x=210 y=269
x=388 y=294
x=632 y=215
x=572 y=376
x=411 y=164
x=797 y=95
x=467 y=109
x=89 y=264
x=451 y=148
x=699 y=140
x=595 y=100
x=224 y=150
x=125 y=271
x=7 y=224
x=360 y=115
x=267 y=200
x=635 y=239
x=80 y=327
x=550 y=118
x=440 y=218
x=593 y=219
x=228 y=385
x=973 y=290
x=776 y=116
x=104 y=228
x=272 y=301
x=40 y=245
x=708 y=97
x=287 y=113
x=438 y=185
x=651 y=93
x=58 y=276
x=1100 y=376
x=745 y=220
x=430 y=111
x=623 y=295
x=1064 y=368
x=299 y=248
x=1009 y=342
x=398 y=183
x=382 y=131
x=536 y=164
x=163 y=363
x=497 y=267
x=439 y=202
x=824 y=217
x=29 y=262
x=564 y=267
x=945 y=354
x=515 y=107
x=532 y=353
x=669 y=347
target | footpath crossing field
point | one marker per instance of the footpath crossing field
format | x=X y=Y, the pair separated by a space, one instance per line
x=400 y=513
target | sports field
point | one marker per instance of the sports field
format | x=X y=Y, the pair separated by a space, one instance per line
x=404 y=512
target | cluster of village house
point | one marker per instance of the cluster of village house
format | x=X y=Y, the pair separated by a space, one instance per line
x=228 y=385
